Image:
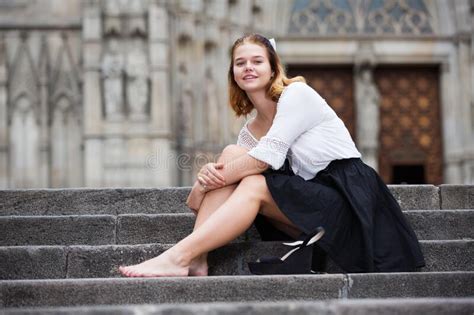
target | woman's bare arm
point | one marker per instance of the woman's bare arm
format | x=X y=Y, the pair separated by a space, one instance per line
x=195 y=197
x=233 y=171
x=240 y=167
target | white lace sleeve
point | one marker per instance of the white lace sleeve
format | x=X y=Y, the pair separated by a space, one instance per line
x=299 y=109
x=246 y=140
x=271 y=151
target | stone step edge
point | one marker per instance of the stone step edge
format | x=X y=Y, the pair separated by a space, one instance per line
x=425 y=196
x=241 y=278
x=190 y=214
x=445 y=196
x=66 y=292
x=167 y=245
x=169 y=228
x=329 y=307
x=75 y=261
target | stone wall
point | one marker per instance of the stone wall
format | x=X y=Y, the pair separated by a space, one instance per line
x=134 y=93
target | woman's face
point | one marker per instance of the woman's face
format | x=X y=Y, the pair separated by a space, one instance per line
x=252 y=70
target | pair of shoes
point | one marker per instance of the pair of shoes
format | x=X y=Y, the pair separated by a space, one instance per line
x=296 y=261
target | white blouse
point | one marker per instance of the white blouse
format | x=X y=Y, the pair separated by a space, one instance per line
x=305 y=129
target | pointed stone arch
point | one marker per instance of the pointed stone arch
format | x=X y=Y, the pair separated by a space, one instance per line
x=65 y=138
x=24 y=143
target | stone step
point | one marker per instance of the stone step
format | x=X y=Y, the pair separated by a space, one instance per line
x=77 y=201
x=405 y=306
x=170 y=228
x=172 y=200
x=123 y=291
x=57 y=262
x=456 y=196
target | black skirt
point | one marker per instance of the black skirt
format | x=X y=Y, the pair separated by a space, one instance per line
x=366 y=230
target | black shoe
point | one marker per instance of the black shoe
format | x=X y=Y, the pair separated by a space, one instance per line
x=296 y=261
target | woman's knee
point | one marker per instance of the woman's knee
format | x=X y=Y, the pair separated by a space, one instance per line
x=256 y=185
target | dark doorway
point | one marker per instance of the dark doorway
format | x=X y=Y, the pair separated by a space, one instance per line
x=408 y=174
x=410 y=124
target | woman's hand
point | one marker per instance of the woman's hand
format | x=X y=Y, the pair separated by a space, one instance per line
x=210 y=178
x=195 y=197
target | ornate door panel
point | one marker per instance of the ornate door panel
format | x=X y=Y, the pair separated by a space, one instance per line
x=335 y=85
x=410 y=132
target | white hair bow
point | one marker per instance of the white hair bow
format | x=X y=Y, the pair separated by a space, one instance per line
x=272 y=41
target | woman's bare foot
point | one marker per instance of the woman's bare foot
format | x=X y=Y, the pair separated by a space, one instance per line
x=199 y=267
x=168 y=264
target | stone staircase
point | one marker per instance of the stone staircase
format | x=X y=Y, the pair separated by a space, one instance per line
x=60 y=248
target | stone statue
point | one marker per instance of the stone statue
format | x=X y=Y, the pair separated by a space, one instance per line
x=112 y=71
x=186 y=104
x=137 y=82
x=368 y=118
x=212 y=106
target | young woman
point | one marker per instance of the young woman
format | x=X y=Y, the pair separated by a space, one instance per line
x=297 y=171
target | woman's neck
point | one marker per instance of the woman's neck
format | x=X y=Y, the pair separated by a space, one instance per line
x=266 y=108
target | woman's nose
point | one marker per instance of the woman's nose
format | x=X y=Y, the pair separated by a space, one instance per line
x=248 y=66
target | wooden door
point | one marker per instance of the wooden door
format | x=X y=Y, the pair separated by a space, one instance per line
x=336 y=85
x=410 y=125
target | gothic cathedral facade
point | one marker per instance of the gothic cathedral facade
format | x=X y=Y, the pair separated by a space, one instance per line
x=133 y=93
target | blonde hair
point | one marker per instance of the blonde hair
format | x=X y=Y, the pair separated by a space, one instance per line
x=238 y=98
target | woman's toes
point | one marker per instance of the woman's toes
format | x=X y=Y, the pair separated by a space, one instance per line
x=126 y=271
x=122 y=270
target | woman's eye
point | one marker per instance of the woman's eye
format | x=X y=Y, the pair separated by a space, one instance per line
x=239 y=64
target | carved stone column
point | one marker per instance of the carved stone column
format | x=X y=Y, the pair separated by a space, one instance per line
x=92 y=49
x=451 y=134
x=471 y=98
x=44 y=147
x=367 y=106
x=3 y=117
x=165 y=173
x=368 y=118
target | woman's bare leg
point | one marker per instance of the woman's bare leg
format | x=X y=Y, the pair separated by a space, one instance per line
x=230 y=220
x=213 y=200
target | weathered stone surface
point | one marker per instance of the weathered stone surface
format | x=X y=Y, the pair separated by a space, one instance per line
x=161 y=228
x=151 y=200
x=103 y=261
x=417 y=306
x=444 y=306
x=171 y=228
x=157 y=216
x=32 y=262
x=457 y=196
x=442 y=224
x=416 y=197
x=57 y=230
x=93 y=201
x=168 y=290
x=423 y=284
x=143 y=229
x=448 y=255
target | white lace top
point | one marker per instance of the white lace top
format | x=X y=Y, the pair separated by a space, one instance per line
x=305 y=129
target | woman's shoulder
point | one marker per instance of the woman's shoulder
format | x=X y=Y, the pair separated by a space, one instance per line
x=298 y=85
x=299 y=90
